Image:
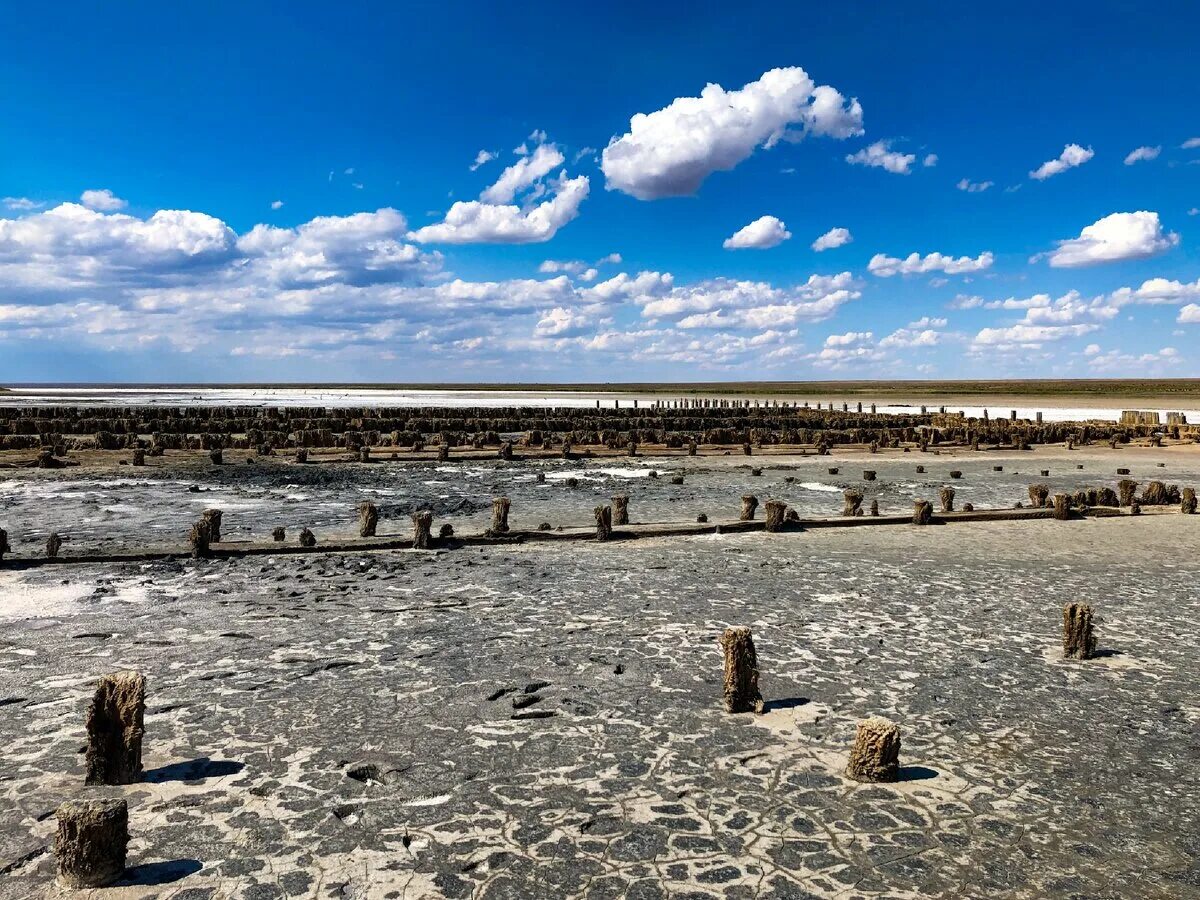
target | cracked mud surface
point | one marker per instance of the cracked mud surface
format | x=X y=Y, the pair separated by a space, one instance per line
x=546 y=721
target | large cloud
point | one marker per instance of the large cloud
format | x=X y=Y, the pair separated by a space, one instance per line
x=915 y=264
x=669 y=153
x=1114 y=238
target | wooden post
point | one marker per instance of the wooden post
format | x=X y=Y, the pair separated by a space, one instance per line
x=199 y=539
x=603 y=522
x=500 y=508
x=115 y=729
x=620 y=509
x=741 y=671
x=279 y=534
x=91 y=842
x=1187 y=503
x=307 y=538
x=422 y=523
x=749 y=505
x=1079 y=641
x=53 y=545
x=1062 y=506
x=212 y=517
x=876 y=753
x=853 y=502
x=946 y=495
x=368 y=519
x=922 y=512
x=776 y=510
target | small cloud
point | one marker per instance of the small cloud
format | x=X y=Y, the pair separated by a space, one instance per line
x=583 y=152
x=1142 y=154
x=103 y=200
x=1073 y=155
x=879 y=156
x=277 y=204
x=973 y=187
x=357 y=185
x=349 y=171
x=1194 y=211
x=834 y=237
x=1091 y=349
x=761 y=234
x=1191 y=143
x=930 y=161
x=884 y=266
x=21 y=204
x=483 y=157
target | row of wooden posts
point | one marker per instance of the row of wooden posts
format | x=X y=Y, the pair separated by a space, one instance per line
x=92 y=837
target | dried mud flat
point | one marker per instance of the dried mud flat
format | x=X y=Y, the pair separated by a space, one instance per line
x=545 y=720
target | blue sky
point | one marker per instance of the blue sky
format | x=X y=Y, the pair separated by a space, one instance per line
x=233 y=193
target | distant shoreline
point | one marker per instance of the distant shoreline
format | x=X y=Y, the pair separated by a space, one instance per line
x=1155 y=391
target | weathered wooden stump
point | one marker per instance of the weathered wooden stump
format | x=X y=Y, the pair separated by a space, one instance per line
x=868 y=474
x=968 y=507
x=199 y=540
x=692 y=449
x=1038 y=493
x=364 y=454
x=749 y=505
x=53 y=545
x=876 y=753
x=922 y=512
x=747 y=450
x=875 y=508
x=279 y=533
x=506 y=450
x=1079 y=641
x=632 y=448
x=955 y=474
x=603 y=522
x=422 y=523
x=676 y=479
x=307 y=538
x=368 y=519
x=5 y=547
x=1062 y=506
x=301 y=455
x=541 y=478
x=447 y=531
x=1127 y=489
x=212 y=517
x=920 y=470
x=741 y=671
x=91 y=842
x=776 y=510
x=115 y=729
x=216 y=456
x=500 y=508
x=620 y=509
x=853 y=502
x=443 y=452
x=832 y=470
x=946 y=496
x=139 y=457
x=1187 y=502
x=1135 y=508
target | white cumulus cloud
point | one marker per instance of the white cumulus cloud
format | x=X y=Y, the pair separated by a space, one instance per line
x=473 y=222
x=973 y=187
x=761 y=234
x=914 y=264
x=879 y=155
x=1073 y=155
x=524 y=173
x=833 y=238
x=1142 y=154
x=1116 y=237
x=669 y=153
x=104 y=200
